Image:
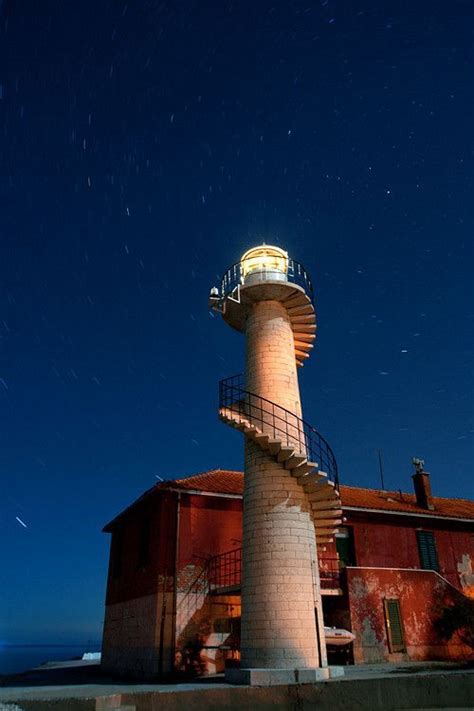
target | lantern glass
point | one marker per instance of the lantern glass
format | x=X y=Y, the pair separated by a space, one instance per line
x=264 y=259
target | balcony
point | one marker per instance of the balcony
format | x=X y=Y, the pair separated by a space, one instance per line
x=245 y=271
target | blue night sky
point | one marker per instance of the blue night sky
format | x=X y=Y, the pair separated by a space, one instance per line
x=144 y=146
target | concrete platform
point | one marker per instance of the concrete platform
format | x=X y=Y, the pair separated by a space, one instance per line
x=274 y=677
x=381 y=687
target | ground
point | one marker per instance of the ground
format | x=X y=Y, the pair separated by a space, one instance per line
x=80 y=685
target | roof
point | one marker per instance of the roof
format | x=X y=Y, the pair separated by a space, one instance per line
x=229 y=482
x=216 y=481
x=400 y=502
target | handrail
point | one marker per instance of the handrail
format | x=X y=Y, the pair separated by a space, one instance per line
x=279 y=422
x=295 y=274
x=225 y=571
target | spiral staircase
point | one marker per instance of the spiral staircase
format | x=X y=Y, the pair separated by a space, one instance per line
x=294 y=443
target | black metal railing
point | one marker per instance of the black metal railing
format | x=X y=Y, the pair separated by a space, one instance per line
x=278 y=423
x=295 y=274
x=225 y=570
x=330 y=573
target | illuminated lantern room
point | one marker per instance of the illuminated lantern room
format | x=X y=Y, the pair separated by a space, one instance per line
x=264 y=263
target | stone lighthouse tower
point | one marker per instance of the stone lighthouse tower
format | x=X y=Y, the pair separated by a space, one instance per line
x=291 y=502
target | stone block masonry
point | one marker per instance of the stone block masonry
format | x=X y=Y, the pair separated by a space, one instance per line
x=279 y=581
x=278 y=584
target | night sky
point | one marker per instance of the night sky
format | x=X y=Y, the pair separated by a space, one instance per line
x=146 y=145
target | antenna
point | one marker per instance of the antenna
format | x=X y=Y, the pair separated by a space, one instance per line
x=381 y=469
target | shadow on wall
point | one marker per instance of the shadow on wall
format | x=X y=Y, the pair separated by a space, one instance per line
x=206 y=625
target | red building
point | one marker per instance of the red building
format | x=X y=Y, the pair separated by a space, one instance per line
x=173 y=591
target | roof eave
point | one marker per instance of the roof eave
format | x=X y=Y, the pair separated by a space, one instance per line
x=390 y=512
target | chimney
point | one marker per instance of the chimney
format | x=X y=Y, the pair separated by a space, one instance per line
x=421 y=481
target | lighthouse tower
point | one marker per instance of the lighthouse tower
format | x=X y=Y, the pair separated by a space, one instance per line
x=291 y=502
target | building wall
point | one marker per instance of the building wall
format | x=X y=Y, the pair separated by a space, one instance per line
x=139 y=614
x=379 y=543
x=132 y=632
x=208 y=526
x=420 y=595
x=144 y=632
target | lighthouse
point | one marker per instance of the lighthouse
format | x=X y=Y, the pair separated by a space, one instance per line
x=291 y=502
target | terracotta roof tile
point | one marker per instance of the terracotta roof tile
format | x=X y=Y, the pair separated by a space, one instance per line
x=231 y=482
x=356 y=497
x=218 y=481
x=225 y=481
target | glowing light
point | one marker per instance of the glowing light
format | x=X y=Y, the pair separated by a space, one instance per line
x=264 y=258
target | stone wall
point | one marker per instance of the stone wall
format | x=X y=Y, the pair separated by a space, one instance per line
x=132 y=631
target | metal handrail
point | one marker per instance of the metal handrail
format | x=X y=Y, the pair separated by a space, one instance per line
x=279 y=422
x=225 y=571
x=296 y=274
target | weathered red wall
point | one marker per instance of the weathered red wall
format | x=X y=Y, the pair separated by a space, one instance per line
x=135 y=580
x=421 y=593
x=208 y=526
x=394 y=545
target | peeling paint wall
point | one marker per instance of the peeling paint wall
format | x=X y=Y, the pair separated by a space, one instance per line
x=420 y=595
x=394 y=544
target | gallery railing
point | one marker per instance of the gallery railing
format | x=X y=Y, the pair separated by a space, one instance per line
x=295 y=274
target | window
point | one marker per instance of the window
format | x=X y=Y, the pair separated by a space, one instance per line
x=144 y=545
x=393 y=623
x=427 y=549
x=345 y=546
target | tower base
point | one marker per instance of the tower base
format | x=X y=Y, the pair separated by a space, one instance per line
x=276 y=677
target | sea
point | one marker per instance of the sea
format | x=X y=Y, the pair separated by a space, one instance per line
x=20 y=658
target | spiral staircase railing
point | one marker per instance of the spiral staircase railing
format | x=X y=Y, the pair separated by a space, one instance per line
x=279 y=423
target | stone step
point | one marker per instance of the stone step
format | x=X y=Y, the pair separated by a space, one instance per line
x=303 y=327
x=301 y=354
x=327 y=514
x=301 y=310
x=312 y=481
x=326 y=531
x=326 y=505
x=324 y=540
x=273 y=446
x=322 y=493
x=304 y=468
x=285 y=452
x=302 y=345
x=304 y=319
x=297 y=300
x=295 y=460
x=327 y=522
x=262 y=440
x=306 y=337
